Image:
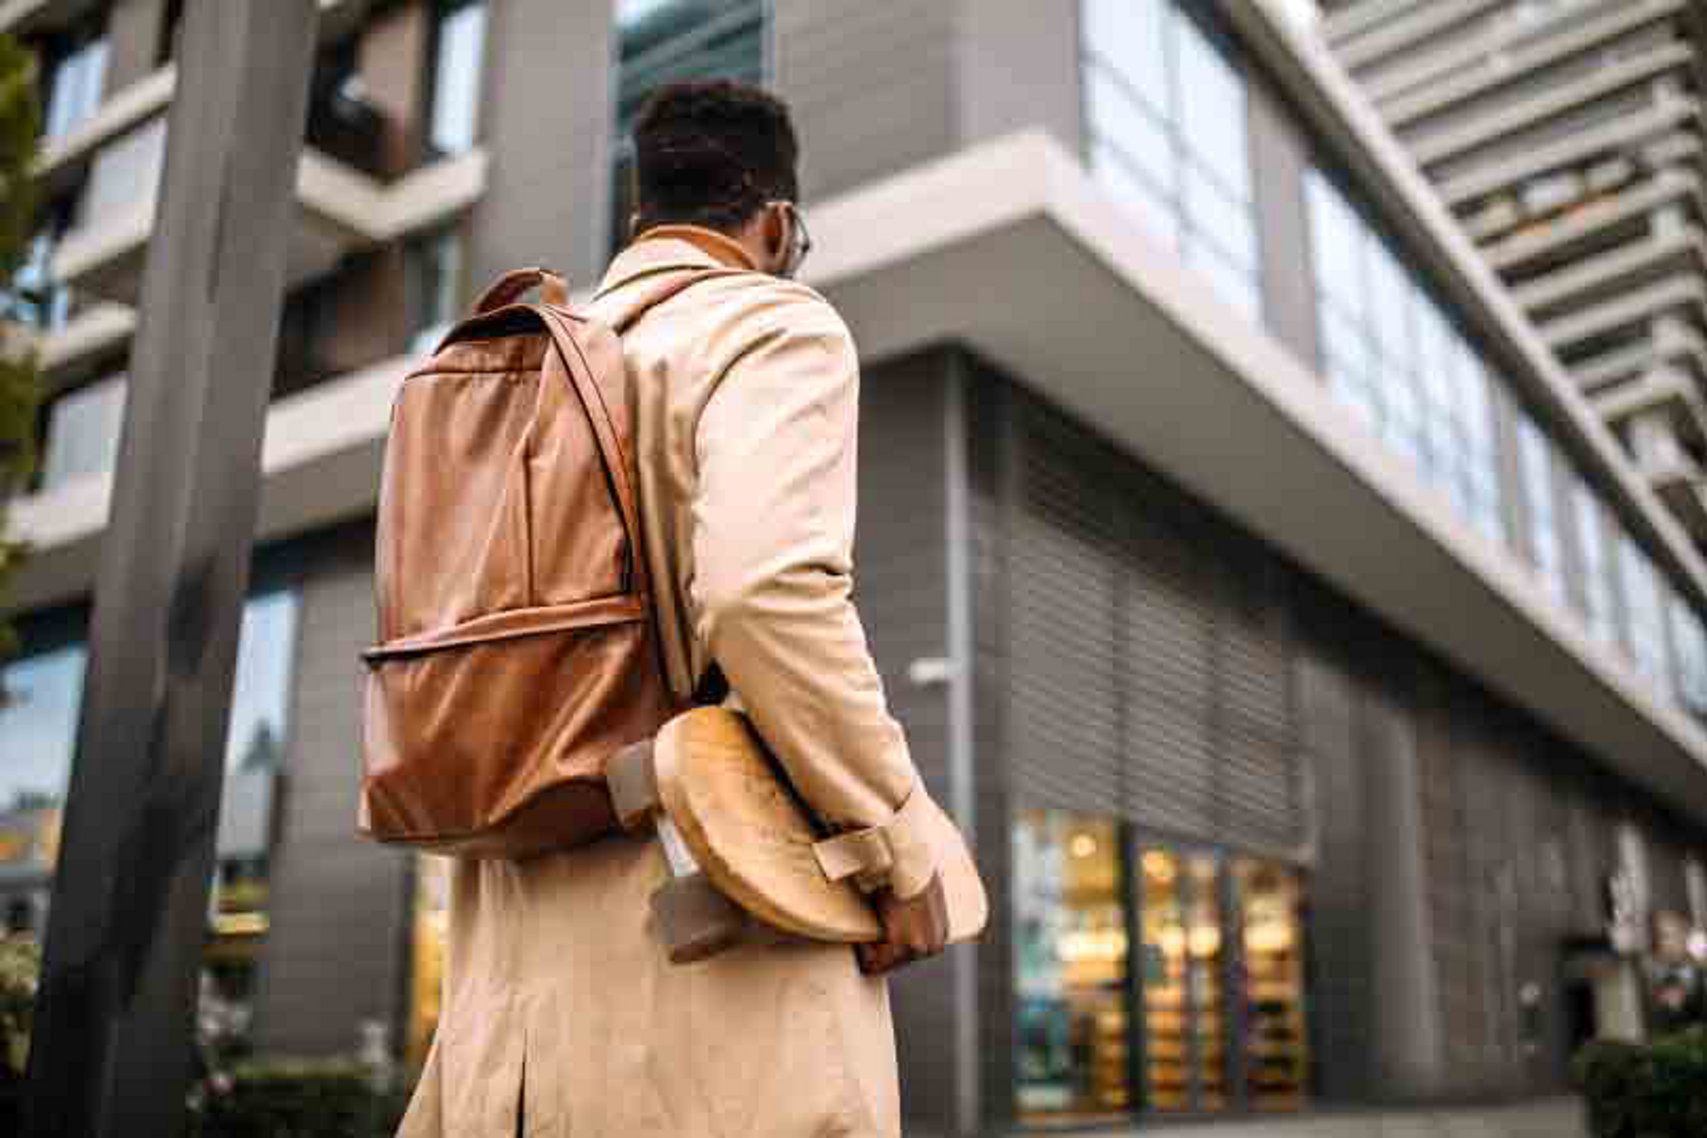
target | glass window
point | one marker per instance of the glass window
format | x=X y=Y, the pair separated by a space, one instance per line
x=1642 y=593
x=1391 y=353
x=1070 y=966
x=1598 y=601
x=126 y=173
x=1535 y=460
x=1167 y=133
x=34 y=299
x=1210 y=1013
x=38 y=731
x=1270 y=908
x=437 y=263
x=1690 y=641
x=74 y=87
x=459 y=50
x=38 y=722
x=83 y=432
x=38 y=727
x=669 y=41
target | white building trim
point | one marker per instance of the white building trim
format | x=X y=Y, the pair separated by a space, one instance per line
x=118 y=113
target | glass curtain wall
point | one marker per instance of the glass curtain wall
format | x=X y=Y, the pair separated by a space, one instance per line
x=669 y=41
x=1600 y=602
x=1165 y=120
x=1393 y=354
x=1152 y=978
x=1536 y=458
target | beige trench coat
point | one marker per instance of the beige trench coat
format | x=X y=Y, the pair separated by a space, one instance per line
x=556 y=994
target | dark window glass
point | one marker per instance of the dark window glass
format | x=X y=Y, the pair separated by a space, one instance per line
x=669 y=41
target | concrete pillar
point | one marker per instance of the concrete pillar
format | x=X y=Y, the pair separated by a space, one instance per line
x=1407 y=1050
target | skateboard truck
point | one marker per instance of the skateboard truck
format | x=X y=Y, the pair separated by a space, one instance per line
x=694 y=919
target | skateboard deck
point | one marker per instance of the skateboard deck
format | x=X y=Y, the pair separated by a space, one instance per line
x=753 y=838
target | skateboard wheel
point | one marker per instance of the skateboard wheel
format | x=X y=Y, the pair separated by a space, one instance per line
x=633 y=788
x=694 y=920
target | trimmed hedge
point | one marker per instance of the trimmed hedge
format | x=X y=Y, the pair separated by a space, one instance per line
x=1646 y=1090
x=280 y=1098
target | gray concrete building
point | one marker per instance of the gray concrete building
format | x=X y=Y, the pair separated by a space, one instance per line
x=1566 y=137
x=1320 y=679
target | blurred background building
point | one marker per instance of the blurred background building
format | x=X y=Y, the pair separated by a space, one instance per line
x=1290 y=605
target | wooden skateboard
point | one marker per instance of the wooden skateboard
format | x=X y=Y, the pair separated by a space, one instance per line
x=739 y=844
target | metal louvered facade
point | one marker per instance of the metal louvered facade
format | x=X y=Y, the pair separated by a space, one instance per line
x=1150 y=666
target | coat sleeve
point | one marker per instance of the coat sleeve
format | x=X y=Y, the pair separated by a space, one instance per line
x=773 y=529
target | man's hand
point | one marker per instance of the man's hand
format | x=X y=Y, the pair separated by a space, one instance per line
x=913 y=929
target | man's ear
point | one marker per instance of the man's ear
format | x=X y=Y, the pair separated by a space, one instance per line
x=775 y=237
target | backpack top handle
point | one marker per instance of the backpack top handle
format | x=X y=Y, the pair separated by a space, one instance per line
x=553 y=289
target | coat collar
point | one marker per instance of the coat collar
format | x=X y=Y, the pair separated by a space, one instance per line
x=672 y=248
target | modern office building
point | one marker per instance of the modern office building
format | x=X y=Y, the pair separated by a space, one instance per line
x=1321 y=681
x=1566 y=137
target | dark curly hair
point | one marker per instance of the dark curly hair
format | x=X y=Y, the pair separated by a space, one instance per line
x=712 y=153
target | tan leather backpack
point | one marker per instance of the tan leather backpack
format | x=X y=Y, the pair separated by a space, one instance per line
x=517 y=650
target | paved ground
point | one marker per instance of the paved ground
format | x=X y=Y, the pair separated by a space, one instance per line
x=1551 y=1118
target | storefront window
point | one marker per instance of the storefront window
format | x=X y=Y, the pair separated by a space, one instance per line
x=1215 y=995
x=1269 y=900
x=1070 y=955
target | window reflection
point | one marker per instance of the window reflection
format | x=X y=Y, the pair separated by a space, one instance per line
x=453 y=125
x=38 y=731
x=1070 y=960
x=1165 y=116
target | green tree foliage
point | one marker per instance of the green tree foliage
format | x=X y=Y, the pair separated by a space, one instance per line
x=20 y=389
